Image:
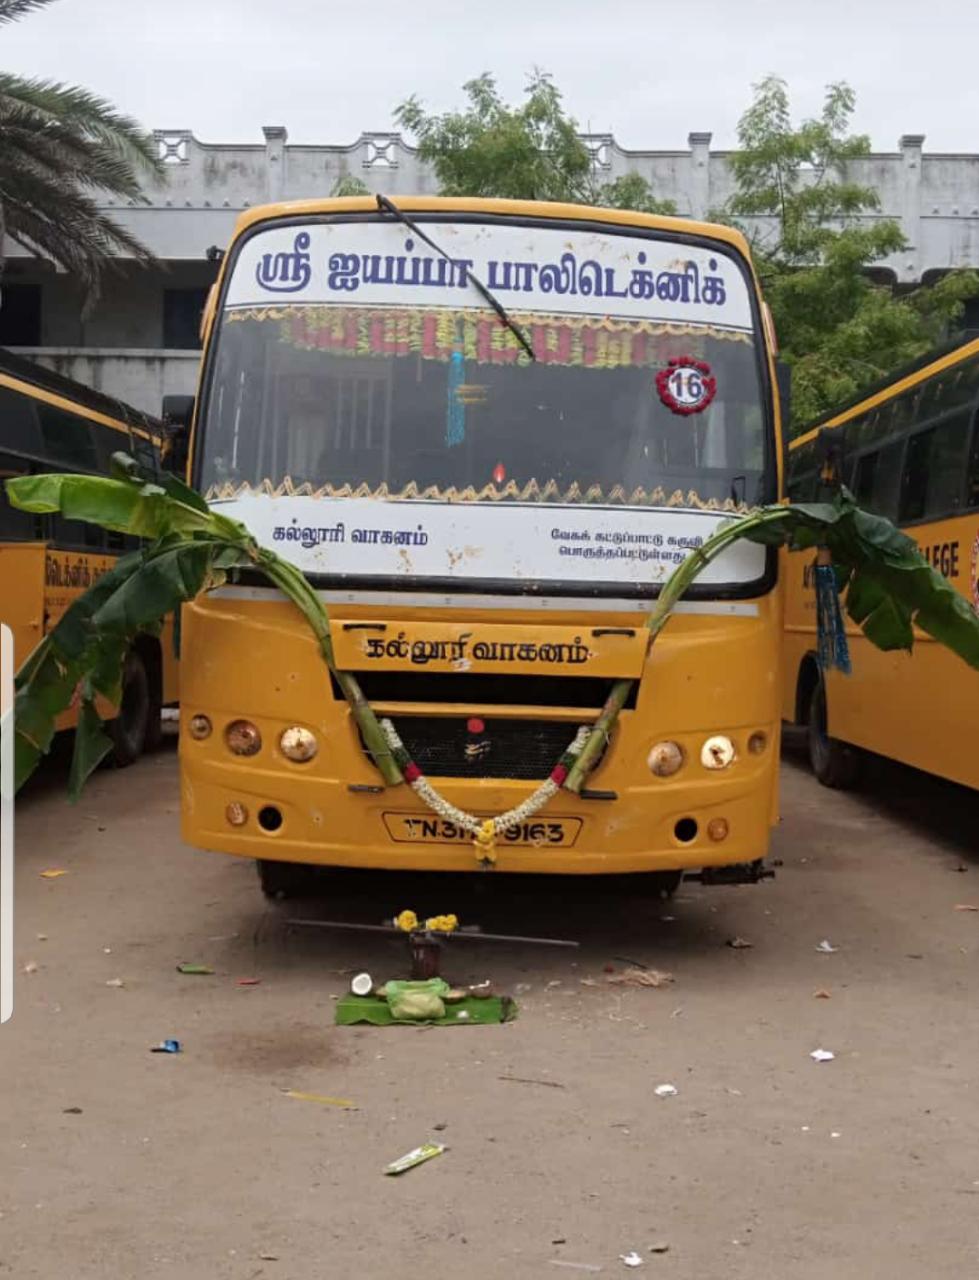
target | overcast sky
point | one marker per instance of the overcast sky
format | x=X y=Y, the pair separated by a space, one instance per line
x=646 y=70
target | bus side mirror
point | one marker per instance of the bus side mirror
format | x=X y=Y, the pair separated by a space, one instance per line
x=178 y=413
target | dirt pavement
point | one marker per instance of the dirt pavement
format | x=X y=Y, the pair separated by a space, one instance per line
x=765 y=1164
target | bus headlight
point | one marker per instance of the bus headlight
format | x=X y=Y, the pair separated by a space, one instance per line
x=297 y=743
x=717 y=752
x=665 y=758
x=243 y=738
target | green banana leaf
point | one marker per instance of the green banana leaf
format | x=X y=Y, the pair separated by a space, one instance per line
x=890 y=588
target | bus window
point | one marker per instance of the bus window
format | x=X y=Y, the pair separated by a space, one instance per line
x=15 y=526
x=877 y=479
x=972 y=489
x=934 y=468
x=19 y=422
x=67 y=437
x=75 y=535
x=954 y=387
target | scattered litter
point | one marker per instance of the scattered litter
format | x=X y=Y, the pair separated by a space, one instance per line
x=551 y=1084
x=268 y=1257
x=428 y=1151
x=641 y=978
x=739 y=944
x=362 y=984
x=631 y=1259
x=71 y=1111
x=637 y=964
x=107 y=951
x=665 y=1091
x=222 y=937
x=822 y=994
x=661 y=1246
x=560 y=1240
x=115 y=982
x=822 y=1055
x=521 y=988
x=574 y=1266
x=345 y=1103
x=965 y=906
x=247 y=982
x=439 y=1127
x=915 y=955
x=826 y=947
x=52 y=873
x=555 y=982
x=735 y=1093
x=42 y=937
x=167 y=1046
x=676 y=1012
x=834 y=1134
x=195 y=969
x=589 y=982
x=31 y=966
x=462 y=1015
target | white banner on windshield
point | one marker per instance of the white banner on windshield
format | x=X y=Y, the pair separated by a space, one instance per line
x=364 y=537
x=535 y=268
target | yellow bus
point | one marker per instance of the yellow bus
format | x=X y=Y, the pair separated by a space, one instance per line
x=50 y=423
x=909 y=450
x=486 y=431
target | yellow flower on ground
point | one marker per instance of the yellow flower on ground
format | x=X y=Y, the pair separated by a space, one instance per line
x=442 y=924
x=407 y=921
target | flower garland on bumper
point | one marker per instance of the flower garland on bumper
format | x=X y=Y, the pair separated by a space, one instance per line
x=484 y=831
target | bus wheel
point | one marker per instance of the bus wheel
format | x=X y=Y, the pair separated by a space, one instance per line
x=129 y=729
x=834 y=763
x=285 y=879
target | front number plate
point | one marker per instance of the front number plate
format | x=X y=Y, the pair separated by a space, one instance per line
x=553 y=833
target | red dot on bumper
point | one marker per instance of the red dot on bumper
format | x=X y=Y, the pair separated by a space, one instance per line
x=475 y=725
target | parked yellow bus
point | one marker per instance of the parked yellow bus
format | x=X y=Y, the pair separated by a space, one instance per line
x=50 y=423
x=486 y=431
x=909 y=450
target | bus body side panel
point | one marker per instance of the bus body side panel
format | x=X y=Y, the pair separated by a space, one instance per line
x=919 y=708
x=22 y=575
x=706 y=674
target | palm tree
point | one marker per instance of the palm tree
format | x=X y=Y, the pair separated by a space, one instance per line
x=62 y=149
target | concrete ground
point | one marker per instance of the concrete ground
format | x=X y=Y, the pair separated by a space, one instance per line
x=116 y=1162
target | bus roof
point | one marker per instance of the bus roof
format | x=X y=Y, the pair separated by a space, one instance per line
x=944 y=356
x=42 y=379
x=497 y=208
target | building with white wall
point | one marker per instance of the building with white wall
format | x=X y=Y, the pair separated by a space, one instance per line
x=140 y=342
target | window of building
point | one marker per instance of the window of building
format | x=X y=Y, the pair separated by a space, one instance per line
x=934 y=468
x=20 y=315
x=182 y=310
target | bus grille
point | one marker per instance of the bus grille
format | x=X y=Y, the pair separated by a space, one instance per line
x=448 y=748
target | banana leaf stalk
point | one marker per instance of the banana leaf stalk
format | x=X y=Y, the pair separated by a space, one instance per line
x=190 y=549
x=890 y=589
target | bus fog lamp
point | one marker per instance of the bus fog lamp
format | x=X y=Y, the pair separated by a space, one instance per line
x=757 y=743
x=717 y=752
x=243 y=738
x=717 y=829
x=665 y=758
x=236 y=813
x=199 y=727
x=297 y=743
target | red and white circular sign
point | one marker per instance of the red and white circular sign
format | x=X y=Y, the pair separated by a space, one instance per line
x=686 y=385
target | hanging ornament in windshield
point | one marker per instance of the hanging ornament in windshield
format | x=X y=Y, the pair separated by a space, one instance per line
x=686 y=385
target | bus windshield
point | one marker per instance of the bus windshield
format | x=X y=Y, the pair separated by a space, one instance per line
x=353 y=364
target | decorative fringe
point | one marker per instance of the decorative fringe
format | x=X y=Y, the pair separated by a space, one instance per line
x=833 y=649
x=455 y=423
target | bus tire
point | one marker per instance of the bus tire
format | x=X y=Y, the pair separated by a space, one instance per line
x=835 y=763
x=281 y=880
x=129 y=729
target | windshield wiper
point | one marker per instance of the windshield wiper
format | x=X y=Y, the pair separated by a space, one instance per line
x=388 y=206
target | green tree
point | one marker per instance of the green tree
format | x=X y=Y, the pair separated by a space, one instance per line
x=62 y=149
x=813 y=247
x=531 y=151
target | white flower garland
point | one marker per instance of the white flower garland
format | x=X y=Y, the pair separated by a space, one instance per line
x=483 y=831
